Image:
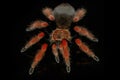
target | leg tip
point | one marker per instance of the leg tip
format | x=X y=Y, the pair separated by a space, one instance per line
x=68 y=68
x=96 y=58
x=31 y=70
x=95 y=40
x=28 y=29
x=57 y=59
x=23 y=50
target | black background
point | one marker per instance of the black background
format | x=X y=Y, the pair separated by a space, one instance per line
x=82 y=66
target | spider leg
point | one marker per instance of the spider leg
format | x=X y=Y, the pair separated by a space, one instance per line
x=38 y=57
x=55 y=52
x=86 y=49
x=33 y=41
x=48 y=13
x=79 y=14
x=84 y=32
x=37 y=25
x=64 y=49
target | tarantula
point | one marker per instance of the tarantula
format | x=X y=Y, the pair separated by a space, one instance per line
x=64 y=14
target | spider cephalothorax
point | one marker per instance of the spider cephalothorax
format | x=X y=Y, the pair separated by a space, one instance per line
x=64 y=14
x=60 y=34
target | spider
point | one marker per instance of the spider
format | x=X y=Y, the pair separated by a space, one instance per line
x=64 y=14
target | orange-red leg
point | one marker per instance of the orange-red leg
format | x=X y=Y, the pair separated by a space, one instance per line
x=38 y=57
x=37 y=25
x=84 y=32
x=48 y=13
x=86 y=49
x=33 y=41
x=55 y=52
x=64 y=49
x=80 y=13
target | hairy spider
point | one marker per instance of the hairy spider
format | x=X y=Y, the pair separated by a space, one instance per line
x=64 y=14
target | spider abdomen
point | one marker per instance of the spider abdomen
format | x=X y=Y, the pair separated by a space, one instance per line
x=64 y=14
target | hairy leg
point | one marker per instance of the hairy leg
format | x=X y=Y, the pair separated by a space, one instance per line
x=79 y=14
x=48 y=13
x=33 y=41
x=84 y=32
x=86 y=49
x=38 y=57
x=37 y=25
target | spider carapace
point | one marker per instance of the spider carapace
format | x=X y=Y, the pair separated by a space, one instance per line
x=64 y=14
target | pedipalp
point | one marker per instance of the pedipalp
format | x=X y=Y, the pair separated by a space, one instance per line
x=64 y=49
x=55 y=52
x=79 y=14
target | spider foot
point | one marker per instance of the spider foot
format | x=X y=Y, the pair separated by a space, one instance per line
x=68 y=68
x=95 y=58
x=57 y=59
x=31 y=70
x=23 y=49
x=95 y=40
